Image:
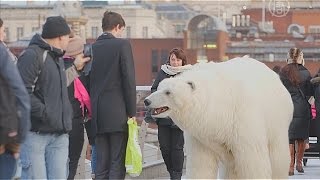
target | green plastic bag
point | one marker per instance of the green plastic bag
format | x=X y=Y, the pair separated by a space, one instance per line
x=133 y=152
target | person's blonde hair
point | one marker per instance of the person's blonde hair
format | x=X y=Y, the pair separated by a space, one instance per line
x=295 y=55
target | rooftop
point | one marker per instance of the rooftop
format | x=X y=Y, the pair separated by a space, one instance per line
x=94 y=4
x=170 y=7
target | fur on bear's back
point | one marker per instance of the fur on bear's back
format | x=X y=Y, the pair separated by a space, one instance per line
x=237 y=69
x=230 y=89
x=242 y=75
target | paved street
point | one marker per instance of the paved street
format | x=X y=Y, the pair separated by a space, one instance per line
x=312 y=170
x=151 y=154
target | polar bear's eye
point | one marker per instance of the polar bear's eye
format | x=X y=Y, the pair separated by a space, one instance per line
x=168 y=92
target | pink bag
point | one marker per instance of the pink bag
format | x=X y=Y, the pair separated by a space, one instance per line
x=313 y=111
x=81 y=94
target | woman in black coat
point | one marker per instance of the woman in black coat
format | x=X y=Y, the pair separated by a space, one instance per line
x=170 y=136
x=296 y=78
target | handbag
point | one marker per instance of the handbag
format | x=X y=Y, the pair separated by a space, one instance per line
x=133 y=160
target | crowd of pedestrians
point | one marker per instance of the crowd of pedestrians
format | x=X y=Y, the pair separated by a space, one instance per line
x=49 y=97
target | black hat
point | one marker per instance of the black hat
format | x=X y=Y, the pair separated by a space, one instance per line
x=55 y=26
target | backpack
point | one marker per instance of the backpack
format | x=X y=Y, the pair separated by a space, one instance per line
x=44 y=57
x=9 y=123
x=9 y=120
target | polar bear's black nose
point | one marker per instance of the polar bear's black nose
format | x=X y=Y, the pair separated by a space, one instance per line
x=147 y=102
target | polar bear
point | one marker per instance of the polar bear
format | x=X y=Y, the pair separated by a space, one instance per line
x=236 y=113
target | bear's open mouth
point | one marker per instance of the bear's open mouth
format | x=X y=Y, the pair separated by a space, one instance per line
x=160 y=110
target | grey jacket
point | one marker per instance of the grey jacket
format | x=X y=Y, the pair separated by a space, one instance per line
x=10 y=72
x=51 y=111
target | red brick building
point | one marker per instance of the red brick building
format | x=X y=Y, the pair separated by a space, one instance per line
x=149 y=55
x=307 y=18
x=214 y=43
x=271 y=48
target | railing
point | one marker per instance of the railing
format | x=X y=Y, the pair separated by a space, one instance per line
x=146 y=135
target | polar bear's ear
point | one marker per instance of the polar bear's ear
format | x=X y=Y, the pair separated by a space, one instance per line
x=191 y=84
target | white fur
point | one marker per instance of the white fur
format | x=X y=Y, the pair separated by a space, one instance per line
x=238 y=113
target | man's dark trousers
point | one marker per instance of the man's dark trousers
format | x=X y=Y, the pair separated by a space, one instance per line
x=111 y=152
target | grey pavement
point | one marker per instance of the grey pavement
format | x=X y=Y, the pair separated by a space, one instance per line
x=311 y=171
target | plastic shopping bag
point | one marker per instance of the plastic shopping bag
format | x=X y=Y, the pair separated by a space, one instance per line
x=133 y=152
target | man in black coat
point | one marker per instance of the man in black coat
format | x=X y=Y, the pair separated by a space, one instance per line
x=113 y=96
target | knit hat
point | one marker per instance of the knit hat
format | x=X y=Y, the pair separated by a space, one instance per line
x=75 y=46
x=295 y=55
x=55 y=26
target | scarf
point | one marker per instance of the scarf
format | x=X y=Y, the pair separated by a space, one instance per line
x=170 y=70
x=81 y=94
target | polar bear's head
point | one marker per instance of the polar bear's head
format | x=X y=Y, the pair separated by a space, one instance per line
x=171 y=98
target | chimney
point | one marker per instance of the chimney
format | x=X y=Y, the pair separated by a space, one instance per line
x=29 y=2
x=233 y=21
x=238 y=20
x=248 y=20
x=243 y=20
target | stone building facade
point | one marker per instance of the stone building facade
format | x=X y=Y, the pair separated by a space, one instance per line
x=84 y=18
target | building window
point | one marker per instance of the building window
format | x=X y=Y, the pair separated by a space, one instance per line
x=314 y=29
x=171 y=16
x=145 y=32
x=34 y=29
x=187 y=16
x=94 y=32
x=179 y=28
x=154 y=59
x=164 y=56
x=7 y=37
x=259 y=57
x=128 y=29
x=19 y=33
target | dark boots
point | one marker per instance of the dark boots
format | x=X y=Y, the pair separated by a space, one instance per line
x=292 y=159
x=174 y=175
x=300 y=152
